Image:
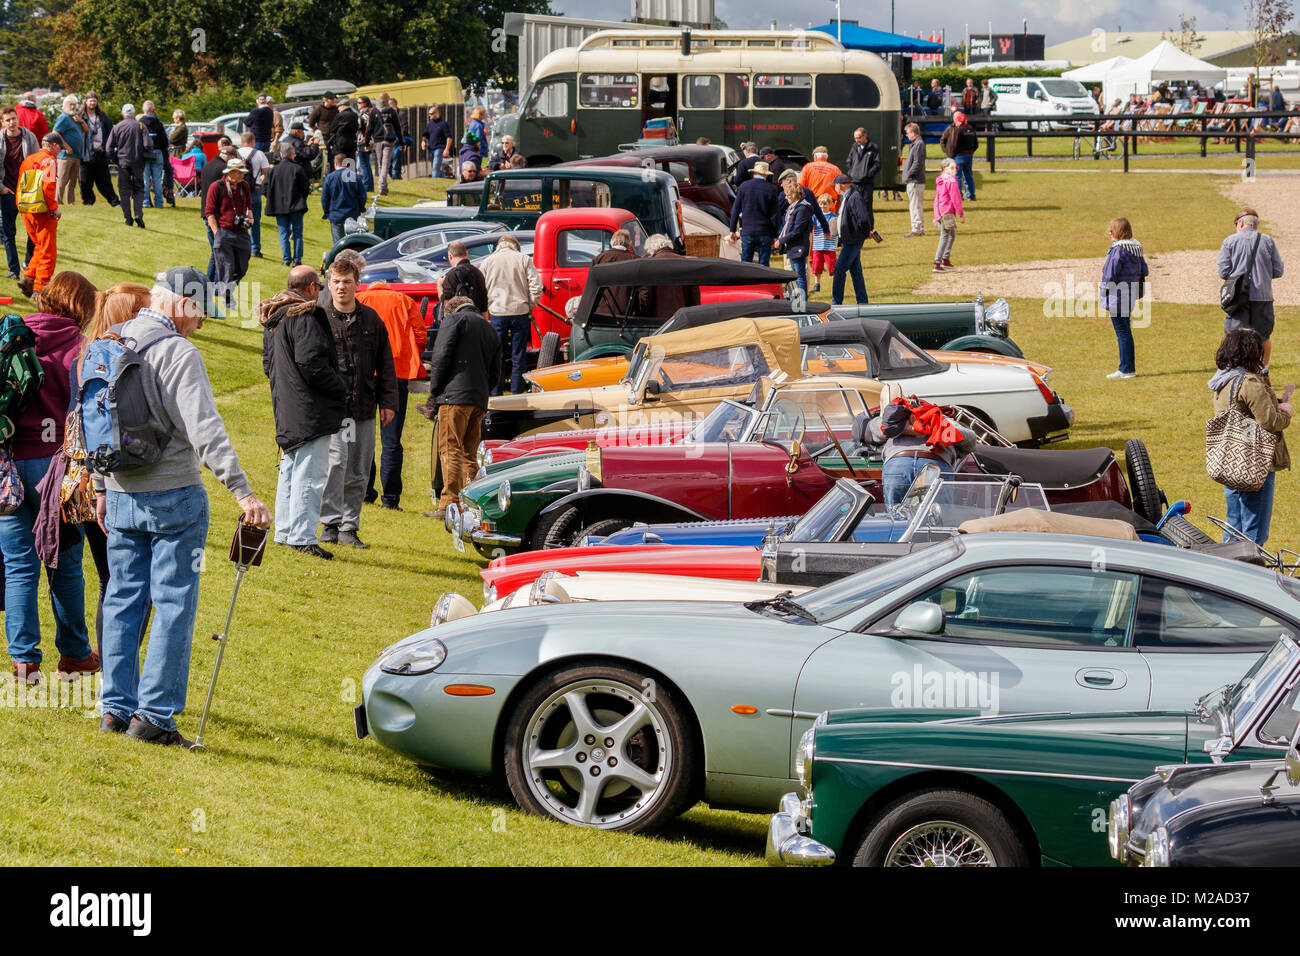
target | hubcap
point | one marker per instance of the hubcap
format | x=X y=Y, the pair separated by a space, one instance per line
x=597 y=754
x=941 y=843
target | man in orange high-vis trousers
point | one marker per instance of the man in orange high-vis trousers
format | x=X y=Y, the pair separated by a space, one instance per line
x=42 y=227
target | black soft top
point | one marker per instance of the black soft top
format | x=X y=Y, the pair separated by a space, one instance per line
x=1051 y=468
x=895 y=355
x=694 y=316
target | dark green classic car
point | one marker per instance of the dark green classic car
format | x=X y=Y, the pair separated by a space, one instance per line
x=926 y=787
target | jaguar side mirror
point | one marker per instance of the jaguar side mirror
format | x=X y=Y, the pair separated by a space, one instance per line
x=920 y=617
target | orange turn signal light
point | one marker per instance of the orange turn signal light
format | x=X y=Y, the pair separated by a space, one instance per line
x=745 y=710
x=468 y=690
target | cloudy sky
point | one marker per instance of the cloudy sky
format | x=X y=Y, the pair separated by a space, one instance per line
x=1060 y=20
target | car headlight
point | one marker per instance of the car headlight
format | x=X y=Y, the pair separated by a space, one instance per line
x=803 y=758
x=483 y=456
x=544 y=592
x=450 y=607
x=451 y=519
x=584 y=478
x=489 y=593
x=998 y=316
x=503 y=496
x=423 y=657
x=1157 y=848
x=1117 y=827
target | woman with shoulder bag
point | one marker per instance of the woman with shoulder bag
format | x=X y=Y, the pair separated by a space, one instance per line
x=1238 y=384
x=66 y=306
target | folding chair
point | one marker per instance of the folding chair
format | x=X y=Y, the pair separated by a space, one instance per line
x=186 y=177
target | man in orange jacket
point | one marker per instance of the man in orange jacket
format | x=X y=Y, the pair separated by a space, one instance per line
x=42 y=226
x=407 y=337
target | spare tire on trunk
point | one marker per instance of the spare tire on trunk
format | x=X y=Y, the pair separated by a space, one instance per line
x=1142 y=480
x=549 y=353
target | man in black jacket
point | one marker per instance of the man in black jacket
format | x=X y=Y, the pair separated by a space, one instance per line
x=366 y=360
x=286 y=199
x=309 y=398
x=854 y=228
x=343 y=133
x=129 y=145
x=463 y=278
x=861 y=166
x=465 y=368
x=755 y=211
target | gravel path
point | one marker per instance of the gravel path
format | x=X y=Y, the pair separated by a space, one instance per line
x=1184 y=277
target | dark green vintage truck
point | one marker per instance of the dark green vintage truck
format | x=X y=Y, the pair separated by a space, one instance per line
x=518 y=197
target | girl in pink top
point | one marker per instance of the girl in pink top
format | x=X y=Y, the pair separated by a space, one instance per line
x=947 y=210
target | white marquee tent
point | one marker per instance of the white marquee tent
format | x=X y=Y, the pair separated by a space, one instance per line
x=1096 y=72
x=1165 y=62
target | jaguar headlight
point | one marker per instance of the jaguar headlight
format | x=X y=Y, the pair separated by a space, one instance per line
x=1117 y=826
x=450 y=607
x=489 y=593
x=422 y=657
x=803 y=758
x=484 y=455
x=1157 y=848
x=503 y=496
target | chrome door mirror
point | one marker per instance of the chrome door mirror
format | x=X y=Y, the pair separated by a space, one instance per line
x=1293 y=766
x=921 y=617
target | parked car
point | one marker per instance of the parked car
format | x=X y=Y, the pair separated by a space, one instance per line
x=700 y=173
x=909 y=786
x=674 y=702
x=982 y=348
x=517 y=198
x=427 y=240
x=1055 y=99
x=427 y=268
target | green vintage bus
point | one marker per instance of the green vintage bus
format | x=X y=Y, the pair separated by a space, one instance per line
x=789 y=90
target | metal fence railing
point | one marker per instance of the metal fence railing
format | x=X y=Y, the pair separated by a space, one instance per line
x=415 y=157
x=1119 y=133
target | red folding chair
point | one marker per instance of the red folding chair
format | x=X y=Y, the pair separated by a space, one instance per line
x=186 y=177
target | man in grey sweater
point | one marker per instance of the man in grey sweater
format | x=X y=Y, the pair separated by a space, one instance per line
x=1235 y=258
x=914 y=177
x=156 y=519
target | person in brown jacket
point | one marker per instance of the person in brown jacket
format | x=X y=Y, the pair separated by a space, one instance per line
x=616 y=298
x=1238 y=382
x=662 y=301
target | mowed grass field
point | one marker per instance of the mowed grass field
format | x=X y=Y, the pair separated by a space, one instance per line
x=285 y=781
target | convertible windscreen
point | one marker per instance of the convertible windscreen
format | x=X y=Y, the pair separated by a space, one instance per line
x=727 y=422
x=849 y=594
x=806 y=413
x=711 y=368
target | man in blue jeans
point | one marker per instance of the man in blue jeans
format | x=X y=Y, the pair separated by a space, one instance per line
x=855 y=226
x=437 y=140
x=513 y=288
x=156 y=520
x=755 y=208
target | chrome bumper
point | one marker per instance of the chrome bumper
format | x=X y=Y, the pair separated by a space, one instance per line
x=786 y=845
x=466 y=525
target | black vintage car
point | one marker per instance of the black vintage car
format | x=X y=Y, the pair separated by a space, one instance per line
x=1222 y=814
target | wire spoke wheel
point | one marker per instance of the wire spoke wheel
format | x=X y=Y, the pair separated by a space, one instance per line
x=940 y=843
x=598 y=753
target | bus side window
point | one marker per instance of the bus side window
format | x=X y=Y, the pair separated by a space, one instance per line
x=847 y=91
x=737 y=91
x=783 y=91
x=703 y=92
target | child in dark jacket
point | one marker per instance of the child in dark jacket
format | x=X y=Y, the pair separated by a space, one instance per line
x=1122 y=287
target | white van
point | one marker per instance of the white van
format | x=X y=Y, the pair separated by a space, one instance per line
x=1047 y=96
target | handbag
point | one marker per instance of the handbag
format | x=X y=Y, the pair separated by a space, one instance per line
x=77 y=489
x=1238 y=450
x=1234 y=294
x=948 y=221
x=11 y=484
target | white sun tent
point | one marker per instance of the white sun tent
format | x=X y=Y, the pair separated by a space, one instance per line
x=1096 y=72
x=1164 y=63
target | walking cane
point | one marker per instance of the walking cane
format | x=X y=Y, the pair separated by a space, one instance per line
x=246 y=551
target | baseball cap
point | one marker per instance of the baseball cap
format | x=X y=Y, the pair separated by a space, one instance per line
x=765 y=150
x=190 y=283
x=894 y=418
x=55 y=138
x=1245 y=212
x=296 y=125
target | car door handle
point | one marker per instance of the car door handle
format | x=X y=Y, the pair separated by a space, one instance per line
x=560 y=280
x=1100 y=678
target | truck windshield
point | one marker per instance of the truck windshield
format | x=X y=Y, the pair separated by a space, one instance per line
x=1066 y=89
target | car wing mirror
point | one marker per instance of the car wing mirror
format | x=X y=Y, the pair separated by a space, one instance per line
x=920 y=617
x=1293 y=765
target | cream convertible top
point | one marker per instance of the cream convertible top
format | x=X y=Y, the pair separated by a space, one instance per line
x=1051 y=522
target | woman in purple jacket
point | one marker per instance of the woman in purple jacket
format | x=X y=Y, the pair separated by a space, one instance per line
x=1122 y=287
x=66 y=305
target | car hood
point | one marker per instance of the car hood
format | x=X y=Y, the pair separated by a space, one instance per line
x=1192 y=786
x=524 y=474
x=607 y=396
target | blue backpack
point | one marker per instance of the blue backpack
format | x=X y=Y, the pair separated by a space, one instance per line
x=120 y=403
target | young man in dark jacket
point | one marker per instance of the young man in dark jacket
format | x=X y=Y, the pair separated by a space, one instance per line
x=855 y=226
x=343 y=132
x=286 y=199
x=309 y=398
x=914 y=178
x=861 y=166
x=465 y=368
x=366 y=360
x=463 y=278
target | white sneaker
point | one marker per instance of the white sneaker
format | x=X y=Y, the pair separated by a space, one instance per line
x=1118 y=374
